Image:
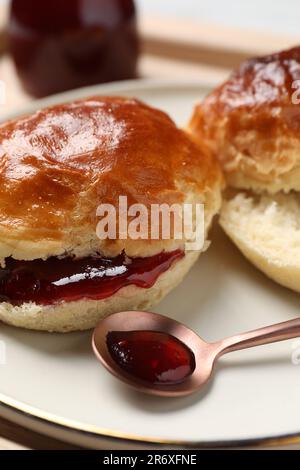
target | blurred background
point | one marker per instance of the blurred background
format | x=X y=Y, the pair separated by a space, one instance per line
x=279 y=16
x=51 y=46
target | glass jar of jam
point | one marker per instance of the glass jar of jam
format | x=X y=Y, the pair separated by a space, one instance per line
x=64 y=44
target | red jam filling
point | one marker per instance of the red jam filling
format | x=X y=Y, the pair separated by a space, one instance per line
x=151 y=356
x=68 y=279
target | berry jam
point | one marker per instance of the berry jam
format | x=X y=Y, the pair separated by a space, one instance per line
x=68 y=279
x=151 y=356
x=64 y=44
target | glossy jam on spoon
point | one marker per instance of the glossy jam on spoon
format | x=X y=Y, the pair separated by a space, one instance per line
x=152 y=356
x=137 y=334
x=53 y=280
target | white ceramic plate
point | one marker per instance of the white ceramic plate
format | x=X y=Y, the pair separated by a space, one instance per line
x=53 y=384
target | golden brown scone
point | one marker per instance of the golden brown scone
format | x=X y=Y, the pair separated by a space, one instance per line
x=252 y=124
x=59 y=165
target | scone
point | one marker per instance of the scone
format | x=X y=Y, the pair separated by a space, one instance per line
x=252 y=124
x=57 y=167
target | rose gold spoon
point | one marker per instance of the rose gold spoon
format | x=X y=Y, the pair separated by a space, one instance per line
x=206 y=354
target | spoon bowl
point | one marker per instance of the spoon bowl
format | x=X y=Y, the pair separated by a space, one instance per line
x=146 y=321
x=205 y=354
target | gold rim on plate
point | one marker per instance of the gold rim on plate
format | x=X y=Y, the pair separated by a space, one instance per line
x=86 y=430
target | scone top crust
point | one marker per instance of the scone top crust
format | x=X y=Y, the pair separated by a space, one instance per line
x=252 y=122
x=59 y=164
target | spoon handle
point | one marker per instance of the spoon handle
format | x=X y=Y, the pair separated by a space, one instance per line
x=270 y=334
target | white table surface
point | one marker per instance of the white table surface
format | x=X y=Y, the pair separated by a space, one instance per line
x=265 y=15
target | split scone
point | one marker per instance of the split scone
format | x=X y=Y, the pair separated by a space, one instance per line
x=252 y=124
x=57 y=167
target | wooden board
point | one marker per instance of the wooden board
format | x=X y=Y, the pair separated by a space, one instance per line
x=210 y=44
x=13 y=437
